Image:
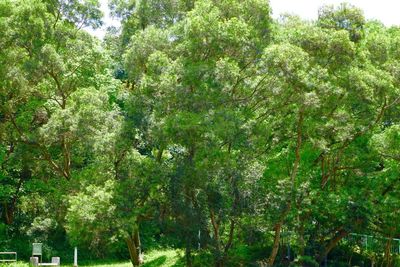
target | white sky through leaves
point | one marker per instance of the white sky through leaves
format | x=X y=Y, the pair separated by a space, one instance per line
x=386 y=11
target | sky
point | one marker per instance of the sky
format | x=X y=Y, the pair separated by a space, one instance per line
x=387 y=11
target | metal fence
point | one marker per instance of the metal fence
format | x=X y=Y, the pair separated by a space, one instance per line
x=374 y=243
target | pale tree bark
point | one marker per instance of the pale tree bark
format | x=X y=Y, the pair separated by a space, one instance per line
x=133 y=242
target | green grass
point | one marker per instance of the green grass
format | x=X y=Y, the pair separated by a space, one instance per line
x=18 y=264
x=155 y=258
x=167 y=258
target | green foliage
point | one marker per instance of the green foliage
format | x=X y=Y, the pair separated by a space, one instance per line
x=202 y=126
x=92 y=212
x=305 y=261
x=345 y=17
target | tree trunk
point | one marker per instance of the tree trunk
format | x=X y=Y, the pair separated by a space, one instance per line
x=387 y=252
x=220 y=263
x=332 y=243
x=191 y=200
x=8 y=214
x=275 y=246
x=214 y=223
x=188 y=252
x=301 y=240
x=9 y=208
x=293 y=176
x=223 y=254
x=133 y=243
x=132 y=251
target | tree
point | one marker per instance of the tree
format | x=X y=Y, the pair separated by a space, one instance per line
x=202 y=125
x=192 y=79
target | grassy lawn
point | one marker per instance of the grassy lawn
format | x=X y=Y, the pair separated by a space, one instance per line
x=156 y=258
x=172 y=258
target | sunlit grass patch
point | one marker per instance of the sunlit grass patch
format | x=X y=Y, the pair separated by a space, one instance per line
x=155 y=258
x=167 y=258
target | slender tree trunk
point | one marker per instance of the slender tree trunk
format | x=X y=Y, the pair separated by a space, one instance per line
x=188 y=252
x=220 y=263
x=387 y=252
x=190 y=199
x=302 y=243
x=221 y=249
x=275 y=246
x=293 y=175
x=8 y=214
x=223 y=253
x=9 y=208
x=136 y=239
x=215 y=226
x=230 y=238
x=351 y=257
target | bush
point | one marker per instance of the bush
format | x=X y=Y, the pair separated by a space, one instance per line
x=203 y=259
x=305 y=261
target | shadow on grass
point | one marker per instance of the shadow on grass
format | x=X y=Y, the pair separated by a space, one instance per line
x=156 y=262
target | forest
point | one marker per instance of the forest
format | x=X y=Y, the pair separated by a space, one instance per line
x=203 y=127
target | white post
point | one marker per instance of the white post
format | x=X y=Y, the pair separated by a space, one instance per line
x=75 y=257
x=199 y=240
x=55 y=261
x=34 y=261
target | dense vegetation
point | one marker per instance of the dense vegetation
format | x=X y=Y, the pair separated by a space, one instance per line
x=200 y=125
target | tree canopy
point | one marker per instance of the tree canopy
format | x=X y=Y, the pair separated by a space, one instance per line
x=202 y=125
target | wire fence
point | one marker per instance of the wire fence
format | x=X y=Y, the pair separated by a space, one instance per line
x=374 y=247
x=374 y=243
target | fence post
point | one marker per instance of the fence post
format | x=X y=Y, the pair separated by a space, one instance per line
x=75 y=257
